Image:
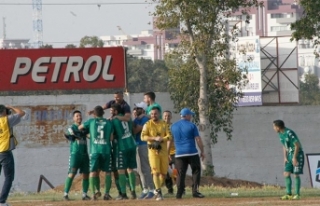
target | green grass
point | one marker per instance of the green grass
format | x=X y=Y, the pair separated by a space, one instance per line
x=213 y=192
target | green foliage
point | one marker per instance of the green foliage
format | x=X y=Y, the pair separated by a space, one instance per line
x=92 y=41
x=46 y=46
x=70 y=46
x=309 y=90
x=201 y=70
x=308 y=26
x=145 y=75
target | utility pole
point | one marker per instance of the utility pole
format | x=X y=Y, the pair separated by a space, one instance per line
x=4 y=27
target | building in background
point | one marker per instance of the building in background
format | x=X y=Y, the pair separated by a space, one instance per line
x=150 y=44
x=274 y=19
x=14 y=44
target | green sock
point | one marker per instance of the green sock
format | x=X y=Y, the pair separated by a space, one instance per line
x=118 y=184
x=107 y=185
x=298 y=185
x=288 y=185
x=85 y=185
x=98 y=183
x=122 y=183
x=92 y=184
x=132 y=181
x=68 y=184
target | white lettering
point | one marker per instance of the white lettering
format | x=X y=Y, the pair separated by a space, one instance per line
x=41 y=67
x=17 y=70
x=58 y=61
x=74 y=66
x=105 y=75
x=37 y=68
x=86 y=69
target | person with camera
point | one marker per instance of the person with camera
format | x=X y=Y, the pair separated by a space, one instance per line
x=156 y=132
x=8 y=120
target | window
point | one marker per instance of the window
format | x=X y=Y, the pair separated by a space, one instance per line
x=281 y=15
x=279 y=28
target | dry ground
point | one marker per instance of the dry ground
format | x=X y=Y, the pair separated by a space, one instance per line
x=238 y=201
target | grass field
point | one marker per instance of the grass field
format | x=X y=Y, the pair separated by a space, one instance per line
x=267 y=195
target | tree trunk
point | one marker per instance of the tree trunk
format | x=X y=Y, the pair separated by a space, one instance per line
x=204 y=126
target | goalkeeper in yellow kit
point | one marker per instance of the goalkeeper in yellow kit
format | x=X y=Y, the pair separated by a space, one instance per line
x=156 y=132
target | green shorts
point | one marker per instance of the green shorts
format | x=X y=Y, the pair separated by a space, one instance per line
x=288 y=167
x=78 y=161
x=100 y=162
x=126 y=159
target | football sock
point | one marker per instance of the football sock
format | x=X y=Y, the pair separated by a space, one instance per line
x=117 y=184
x=68 y=184
x=162 y=179
x=132 y=181
x=107 y=185
x=288 y=185
x=98 y=183
x=298 y=185
x=156 y=181
x=85 y=185
x=122 y=183
x=92 y=184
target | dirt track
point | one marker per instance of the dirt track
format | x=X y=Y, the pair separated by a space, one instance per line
x=187 y=201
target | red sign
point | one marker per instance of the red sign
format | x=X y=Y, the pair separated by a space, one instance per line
x=62 y=69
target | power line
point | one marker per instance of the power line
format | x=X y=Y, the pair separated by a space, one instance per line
x=76 y=4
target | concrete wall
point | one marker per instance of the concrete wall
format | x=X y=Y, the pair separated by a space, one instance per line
x=254 y=153
x=51 y=159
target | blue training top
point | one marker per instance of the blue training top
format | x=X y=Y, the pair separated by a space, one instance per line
x=140 y=122
x=184 y=133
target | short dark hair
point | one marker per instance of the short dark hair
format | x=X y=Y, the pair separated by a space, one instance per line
x=75 y=112
x=119 y=92
x=2 y=108
x=279 y=123
x=155 y=108
x=168 y=111
x=118 y=108
x=151 y=95
x=98 y=111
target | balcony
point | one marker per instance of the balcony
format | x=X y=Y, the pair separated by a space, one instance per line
x=284 y=33
x=135 y=52
x=286 y=20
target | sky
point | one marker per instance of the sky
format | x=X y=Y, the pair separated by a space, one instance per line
x=67 y=24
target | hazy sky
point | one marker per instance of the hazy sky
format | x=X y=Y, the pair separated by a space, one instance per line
x=63 y=24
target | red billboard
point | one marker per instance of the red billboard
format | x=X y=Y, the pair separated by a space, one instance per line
x=62 y=69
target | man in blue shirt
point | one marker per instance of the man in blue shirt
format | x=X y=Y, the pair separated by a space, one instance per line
x=142 y=154
x=185 y=136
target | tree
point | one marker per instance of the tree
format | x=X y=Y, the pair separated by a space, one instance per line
x=70 y=46
x=309 y=90
x=145 y=75
x=202 y=70
x=308 y=26
x=46 y=46
x=92 y=41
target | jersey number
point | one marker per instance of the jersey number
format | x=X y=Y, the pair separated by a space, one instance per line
x=125 y=126
x=100 y=132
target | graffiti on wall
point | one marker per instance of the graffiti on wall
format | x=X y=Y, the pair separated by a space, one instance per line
x=44 y=125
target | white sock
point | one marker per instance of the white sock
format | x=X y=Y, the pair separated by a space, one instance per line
x=84 y=194
x=65 y=194
x=145 y=191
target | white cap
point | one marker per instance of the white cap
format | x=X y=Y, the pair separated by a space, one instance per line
x=142 y=105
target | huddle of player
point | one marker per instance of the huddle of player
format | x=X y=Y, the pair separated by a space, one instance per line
x=113 y=148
